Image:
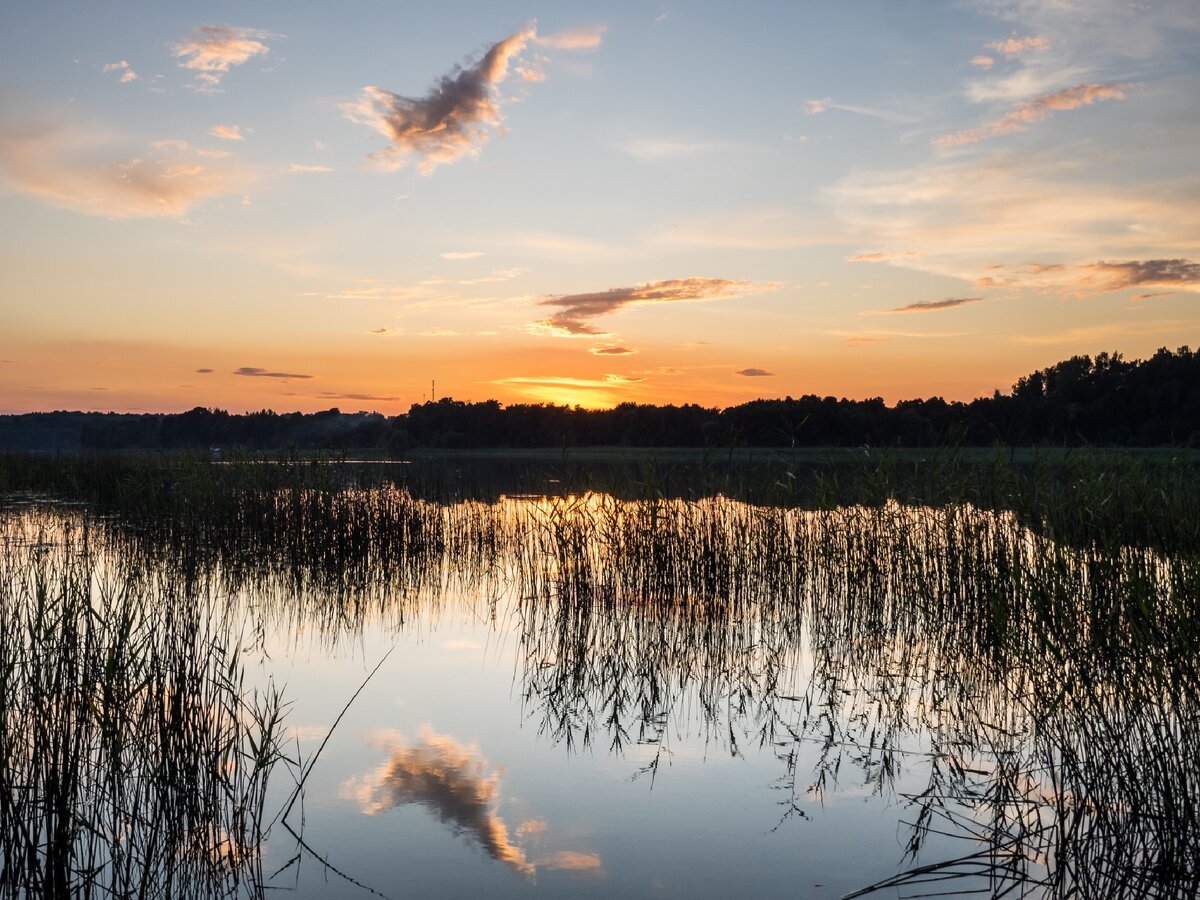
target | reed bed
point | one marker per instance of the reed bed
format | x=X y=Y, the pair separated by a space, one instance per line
x=134 y=759
x=1027 y=638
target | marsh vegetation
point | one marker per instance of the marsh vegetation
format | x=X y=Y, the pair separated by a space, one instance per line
x=1001 y=656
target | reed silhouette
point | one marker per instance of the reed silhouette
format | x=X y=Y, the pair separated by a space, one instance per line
x=1025 y=637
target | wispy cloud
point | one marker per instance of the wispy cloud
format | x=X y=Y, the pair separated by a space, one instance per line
x=461 y=254
x=382 y=398
x=74 y=170
x=452 y=782
x=1098 y=333
x=577 y=310
x=895 y=116
x=212 y=50
x=556 y=381
x=982 y=62
x=882 y=256
x=1101 y=277
x=573 y=861
x=753 y=373
x=204 y=371
x=665 y=148
x=1154 y=294
x=587 y=37
x=1013 y=47
x=127 y=75
x=256 y=372
x=302 y=169
x=1035 y=110
x=227 y=132
x=385 y=332
x=960 y=215
x=611 y=350
x=862 y=340
x=925 y=306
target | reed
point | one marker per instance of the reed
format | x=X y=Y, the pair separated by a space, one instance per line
x=135 y=761
x=1035 y=622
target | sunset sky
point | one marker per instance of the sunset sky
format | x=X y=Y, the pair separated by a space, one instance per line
x=298 y=206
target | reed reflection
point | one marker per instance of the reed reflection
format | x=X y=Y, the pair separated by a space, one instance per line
x=1046 y=690
x=133 y=758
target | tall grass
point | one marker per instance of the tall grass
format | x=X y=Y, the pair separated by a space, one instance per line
x=133 y=759
x=1025 y=634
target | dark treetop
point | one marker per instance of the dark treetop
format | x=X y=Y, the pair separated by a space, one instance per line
x=1106 y=400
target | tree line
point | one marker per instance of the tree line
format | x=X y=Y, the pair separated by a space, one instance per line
x=1105 y=400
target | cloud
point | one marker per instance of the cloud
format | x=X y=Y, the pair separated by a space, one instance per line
x=753 y=373
x=438 y=332
x=587 y=37
x=1016 y=46
x=373 y=289
x=815 y=107
x=385 y=332
x=881 y=256
x=227 y=132
x=1151 y=296
x=448 y=123
x=982 y=62
x=1101 y=277
x=127 y=73
x=576 y=310
x=1036 y=110
x=212 y=50
x=574 y=862
x=304 y=169
x=531 y=74
x=204 y=371
x=860 y=340
x=1100 y=333
x=658 y=148
x=557 y=381
x=380 y=397
x=924 y=306
x=452 y=782
x=611 y=350
x=256 y=372
x=461 y=254
x=960 y=215
x=73 y=170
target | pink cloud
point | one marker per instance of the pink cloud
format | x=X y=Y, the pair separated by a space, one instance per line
x=1035 y=110
x=1101 y=277
x=212 y=50
x=226 y=132
x=587 y=37
x=1016 y=46
x=73 y=171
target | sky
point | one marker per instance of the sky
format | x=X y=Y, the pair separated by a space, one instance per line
x=296 y=206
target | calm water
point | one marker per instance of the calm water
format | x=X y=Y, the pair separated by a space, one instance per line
x=583 y=697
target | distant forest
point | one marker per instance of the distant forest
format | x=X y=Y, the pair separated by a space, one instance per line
x=1107 y=401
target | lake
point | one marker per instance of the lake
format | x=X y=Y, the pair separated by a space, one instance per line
x=355 y=690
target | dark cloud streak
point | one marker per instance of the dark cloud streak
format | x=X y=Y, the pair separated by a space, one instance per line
x=256 y=372
x=577 y=309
